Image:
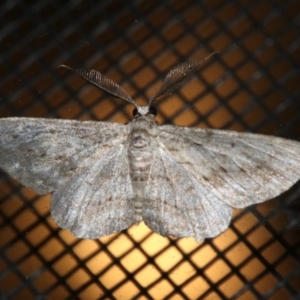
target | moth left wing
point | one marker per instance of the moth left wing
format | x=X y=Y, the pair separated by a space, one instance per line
x=45 y=153
x=240 y=169
x=97 y=201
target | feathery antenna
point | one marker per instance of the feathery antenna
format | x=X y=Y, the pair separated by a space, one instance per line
x=103 y=82
x=173 y=80
x=177 y=76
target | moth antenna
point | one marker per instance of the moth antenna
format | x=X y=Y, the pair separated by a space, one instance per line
x=103 y=82
x=177 y=76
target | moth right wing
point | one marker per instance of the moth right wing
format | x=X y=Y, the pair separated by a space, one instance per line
x=198 y=175
x=177 y=205
x=43 y=154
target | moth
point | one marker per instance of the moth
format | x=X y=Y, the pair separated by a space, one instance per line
x=182 y=182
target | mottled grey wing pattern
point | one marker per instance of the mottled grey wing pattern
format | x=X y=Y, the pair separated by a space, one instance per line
x=97 y=201
x=239 y=169
x=44 y=154
x=177 y=205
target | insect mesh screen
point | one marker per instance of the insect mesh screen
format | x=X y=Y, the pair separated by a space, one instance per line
x=251 y=84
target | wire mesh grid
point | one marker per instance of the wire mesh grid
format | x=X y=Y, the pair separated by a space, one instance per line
x=251 y=85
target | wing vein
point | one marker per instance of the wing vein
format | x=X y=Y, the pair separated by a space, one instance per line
x=176 y=196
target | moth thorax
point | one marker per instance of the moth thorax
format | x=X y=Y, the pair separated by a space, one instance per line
x=139 y=142
x=139 y=139
x=140 y=151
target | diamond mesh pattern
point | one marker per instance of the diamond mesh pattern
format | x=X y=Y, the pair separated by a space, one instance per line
x=251 y=85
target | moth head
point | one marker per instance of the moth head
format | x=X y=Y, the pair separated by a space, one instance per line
x=144 y=111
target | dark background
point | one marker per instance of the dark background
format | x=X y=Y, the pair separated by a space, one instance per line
x=253 y=84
